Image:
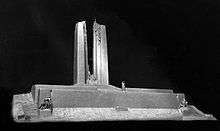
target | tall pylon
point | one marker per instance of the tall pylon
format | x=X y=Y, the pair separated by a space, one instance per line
x=100 y=54
x=80 y=74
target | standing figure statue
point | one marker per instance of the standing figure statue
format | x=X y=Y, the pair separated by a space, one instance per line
x=123 y=86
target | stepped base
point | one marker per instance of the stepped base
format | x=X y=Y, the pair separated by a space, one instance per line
x=104 y=96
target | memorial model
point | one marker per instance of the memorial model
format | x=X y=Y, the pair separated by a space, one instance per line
x=94 y=90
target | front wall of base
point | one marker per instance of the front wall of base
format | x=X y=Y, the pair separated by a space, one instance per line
x=88 y=98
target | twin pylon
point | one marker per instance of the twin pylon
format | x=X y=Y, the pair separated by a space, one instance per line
x=100 y=56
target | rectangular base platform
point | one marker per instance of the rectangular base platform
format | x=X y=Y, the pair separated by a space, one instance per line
x=105 y=96
x=24 y=110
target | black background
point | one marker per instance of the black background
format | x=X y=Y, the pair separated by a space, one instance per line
x=151 y=44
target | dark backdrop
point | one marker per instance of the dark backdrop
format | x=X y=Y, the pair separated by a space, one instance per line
x=151 y=44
